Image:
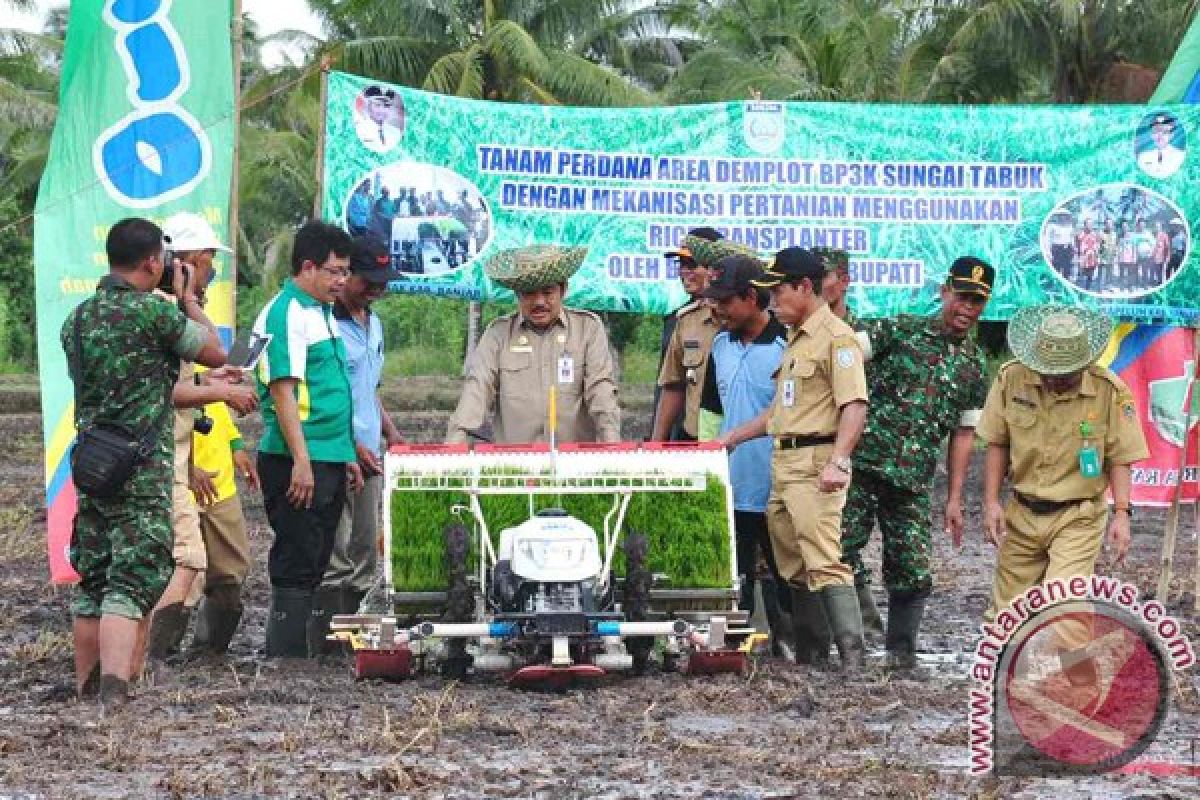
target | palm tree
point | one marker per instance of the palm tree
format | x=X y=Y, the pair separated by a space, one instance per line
x=535 y=51
x=29 y=65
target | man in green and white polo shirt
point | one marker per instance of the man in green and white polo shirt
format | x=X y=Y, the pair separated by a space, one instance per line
x=306 y=459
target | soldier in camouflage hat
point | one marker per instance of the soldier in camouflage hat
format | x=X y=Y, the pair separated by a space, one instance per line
x=123 y=347
x=927 y=381
x=521 y=355
x=836 y=282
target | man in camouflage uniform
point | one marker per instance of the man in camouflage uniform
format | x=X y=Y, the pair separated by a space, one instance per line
x=124 y=363
x=836 y=283
x=927 y=380
x=688 y=332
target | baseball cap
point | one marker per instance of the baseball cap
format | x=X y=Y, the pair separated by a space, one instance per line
x=792 y=264
x=707 y=234
x=971 y=275
x=371 y=261
x=735 y=274
x=187 y=231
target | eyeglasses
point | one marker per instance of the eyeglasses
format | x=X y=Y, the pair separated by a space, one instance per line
x=337 y=273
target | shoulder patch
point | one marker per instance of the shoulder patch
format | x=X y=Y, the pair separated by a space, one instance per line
x=845 y=357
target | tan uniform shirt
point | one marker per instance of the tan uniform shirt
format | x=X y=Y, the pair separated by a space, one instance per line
x=513 y=368
x=185 y=421
x=1042 y=431
x=686 y=358
x=821 y=371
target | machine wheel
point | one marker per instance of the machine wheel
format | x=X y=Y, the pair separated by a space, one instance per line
x=636 y=599
x=460 y=600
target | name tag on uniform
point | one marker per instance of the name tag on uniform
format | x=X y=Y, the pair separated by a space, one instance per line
x=566 y=370
x=521 y=348
x=789 y=393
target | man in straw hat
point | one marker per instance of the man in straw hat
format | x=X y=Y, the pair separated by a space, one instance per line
x=816 y=417
x=521 y=355
x=687 y=339
x=1064 y=430
x=927 y=381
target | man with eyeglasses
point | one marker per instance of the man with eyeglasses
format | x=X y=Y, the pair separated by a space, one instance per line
x=306 y=458
x=351 y=571
x=691 y=331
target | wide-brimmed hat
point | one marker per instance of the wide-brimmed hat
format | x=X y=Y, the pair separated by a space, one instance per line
x=1057 y=339
x=536 y=266
x=707 y=254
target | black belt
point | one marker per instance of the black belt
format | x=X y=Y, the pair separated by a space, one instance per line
x=1045 y=506
x=796 y=442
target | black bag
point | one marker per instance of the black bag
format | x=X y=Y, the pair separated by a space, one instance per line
x=106 y=453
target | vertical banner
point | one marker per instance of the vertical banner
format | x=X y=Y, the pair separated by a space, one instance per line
x=1158 y=363
x=145 y=128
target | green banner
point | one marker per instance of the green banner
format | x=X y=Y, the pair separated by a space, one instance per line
x=145 y=128
x=1085 y=205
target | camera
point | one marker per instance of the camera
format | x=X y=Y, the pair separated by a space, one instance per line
x=166 y=283
x=203 y=424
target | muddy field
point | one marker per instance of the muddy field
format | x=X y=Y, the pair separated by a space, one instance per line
x=252 y=728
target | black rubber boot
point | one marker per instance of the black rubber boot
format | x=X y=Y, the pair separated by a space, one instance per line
x=217 y=620
x=326 y=602
x=287 y=623
x=810 y=627
x=845 y=620
x=780 y=622
x=870 y=613
x=905 y=609
x=167 y=629
x=352 y=600
x=114 y=692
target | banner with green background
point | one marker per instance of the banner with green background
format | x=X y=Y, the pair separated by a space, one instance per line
x=1084 y=205
x=145 y=128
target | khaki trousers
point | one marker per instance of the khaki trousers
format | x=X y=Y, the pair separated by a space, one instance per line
x=188 y=548
x=355 y=556
x=805 y=523
x=227 y=547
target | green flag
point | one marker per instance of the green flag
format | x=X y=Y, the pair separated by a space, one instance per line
x=145 y=128
x=1181 y=82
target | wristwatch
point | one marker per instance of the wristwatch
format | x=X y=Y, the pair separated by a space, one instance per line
x=844 y=463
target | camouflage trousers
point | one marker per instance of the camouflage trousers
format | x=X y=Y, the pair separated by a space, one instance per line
x=121 y=548
x=904 y=521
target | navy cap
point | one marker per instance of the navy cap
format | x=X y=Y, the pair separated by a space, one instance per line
x=792 y=264
x=372 y=261
x=735 y=274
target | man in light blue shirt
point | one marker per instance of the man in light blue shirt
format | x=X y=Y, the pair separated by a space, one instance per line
x=352 y=566
x=739 y=385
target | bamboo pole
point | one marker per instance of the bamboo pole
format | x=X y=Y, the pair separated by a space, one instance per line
x=326 y=64
x=234 y=221
x=1172 y=530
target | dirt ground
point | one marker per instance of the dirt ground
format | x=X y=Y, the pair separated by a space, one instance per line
x=252 y=728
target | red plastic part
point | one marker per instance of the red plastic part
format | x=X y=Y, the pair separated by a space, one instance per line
x=713 y=662
x=598 y=447
x=682 y=446
x=428 y=449
x=389 y=665
x=526 y=447
x=543 y=675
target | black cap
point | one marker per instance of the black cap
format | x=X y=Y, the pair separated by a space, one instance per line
x=971 y=275
x=380 y=92
x=792 y=264
x=735 y=274
x=371 y=261
x=705 y=233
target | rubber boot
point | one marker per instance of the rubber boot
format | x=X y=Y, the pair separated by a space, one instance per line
x=810 y=627
x=845 y=620
x=870 y=613
x=352 y=600
x=114 y=692
x=287 y=623
x=167 y=629
x=782 y=635
x=905 y=609
x=326 y=603
x=217 y=620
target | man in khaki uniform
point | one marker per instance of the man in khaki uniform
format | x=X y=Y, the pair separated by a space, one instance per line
x=1064 y=430
x=818 y=414
x=681 y=377
x=522 y=355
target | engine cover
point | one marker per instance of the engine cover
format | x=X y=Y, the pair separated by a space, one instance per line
x=551 y=549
